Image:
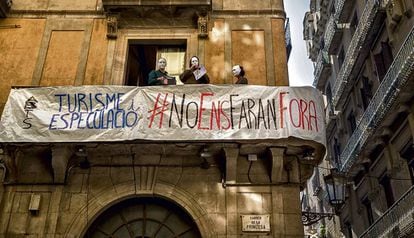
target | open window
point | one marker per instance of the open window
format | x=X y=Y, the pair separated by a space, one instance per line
x=143 y=56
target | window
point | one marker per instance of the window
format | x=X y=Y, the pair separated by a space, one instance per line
x=385 y=182
x=348 y=228
x=337 y=151
x=332 y=8
x=354 y=24
x=351 y=121
x=144 y=54
x=368 y=210
x=383 y=60
x=341 y=57
x=366 y=92
x=407 y=153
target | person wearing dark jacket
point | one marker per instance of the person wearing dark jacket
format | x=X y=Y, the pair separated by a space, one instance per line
x=160 y=76
x=196 y=74
x=239 y=73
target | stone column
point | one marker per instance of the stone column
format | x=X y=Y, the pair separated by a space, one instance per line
x=231 y=155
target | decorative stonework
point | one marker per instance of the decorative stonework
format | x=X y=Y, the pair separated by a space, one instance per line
x=112 y=26
x=202 y=24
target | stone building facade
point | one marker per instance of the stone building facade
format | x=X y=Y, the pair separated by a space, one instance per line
x=146 y=188
x=363 y=62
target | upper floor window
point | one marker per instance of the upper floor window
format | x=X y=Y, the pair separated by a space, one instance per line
x=143 y=56
x=383 y=60
x=368 y=210
x=341 y=57
x=333 y=7
x=385 y=182
x=407 y=153
x=337 y=151
x=353 y=24
x=351 y=121
x=348 y=229
x=366 y=91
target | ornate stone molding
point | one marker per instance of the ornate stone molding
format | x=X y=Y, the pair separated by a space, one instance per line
x=202 y=24
x=112 y=26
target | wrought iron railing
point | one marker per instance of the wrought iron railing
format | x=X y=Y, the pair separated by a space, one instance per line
x=360 y=36
x=321 y=62
x=339 y=7
x=400 y=215
x=330 y=31
x=393 y=82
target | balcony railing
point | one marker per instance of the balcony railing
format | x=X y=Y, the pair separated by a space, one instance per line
x=333 y=35
x=330 y=31
x=342 y=9
x=400 y=215
x=322 y=68
x=394 y=81
x=360 y=36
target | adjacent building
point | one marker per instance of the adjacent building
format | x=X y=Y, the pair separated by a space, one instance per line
x=88 y=150
x=363 y=54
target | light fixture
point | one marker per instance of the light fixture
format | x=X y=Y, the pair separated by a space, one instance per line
x=82 y=154
x=310 y=217
x=335 y=186
x=308 y=155
x=205 y=154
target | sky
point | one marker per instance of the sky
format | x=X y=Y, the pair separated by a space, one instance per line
x=299 y=65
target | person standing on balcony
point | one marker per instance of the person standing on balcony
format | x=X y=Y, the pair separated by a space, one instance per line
x=160 y=76
x=239 y=73
x=196 y=74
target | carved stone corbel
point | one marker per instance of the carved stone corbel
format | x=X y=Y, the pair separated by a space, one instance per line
x=277 y=159
x=9 y=157
x=112 y=26
x=202 y=25
x=60 y=160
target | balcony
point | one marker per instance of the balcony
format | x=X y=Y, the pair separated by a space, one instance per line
x=323 y=14
x=343 y=10
x=333 y=35
x=322 y=69
x=4 y=7
x=156 y=2
x=168 y=13
x=393 y=84
x=358 y=50
x=397 y=221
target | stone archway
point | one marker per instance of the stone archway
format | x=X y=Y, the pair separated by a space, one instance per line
x=110 y=196
x=144 y=217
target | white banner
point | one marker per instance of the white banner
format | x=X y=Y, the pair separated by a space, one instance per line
x=166 y=113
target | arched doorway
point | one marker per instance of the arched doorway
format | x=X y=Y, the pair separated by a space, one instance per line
x=144 y=217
